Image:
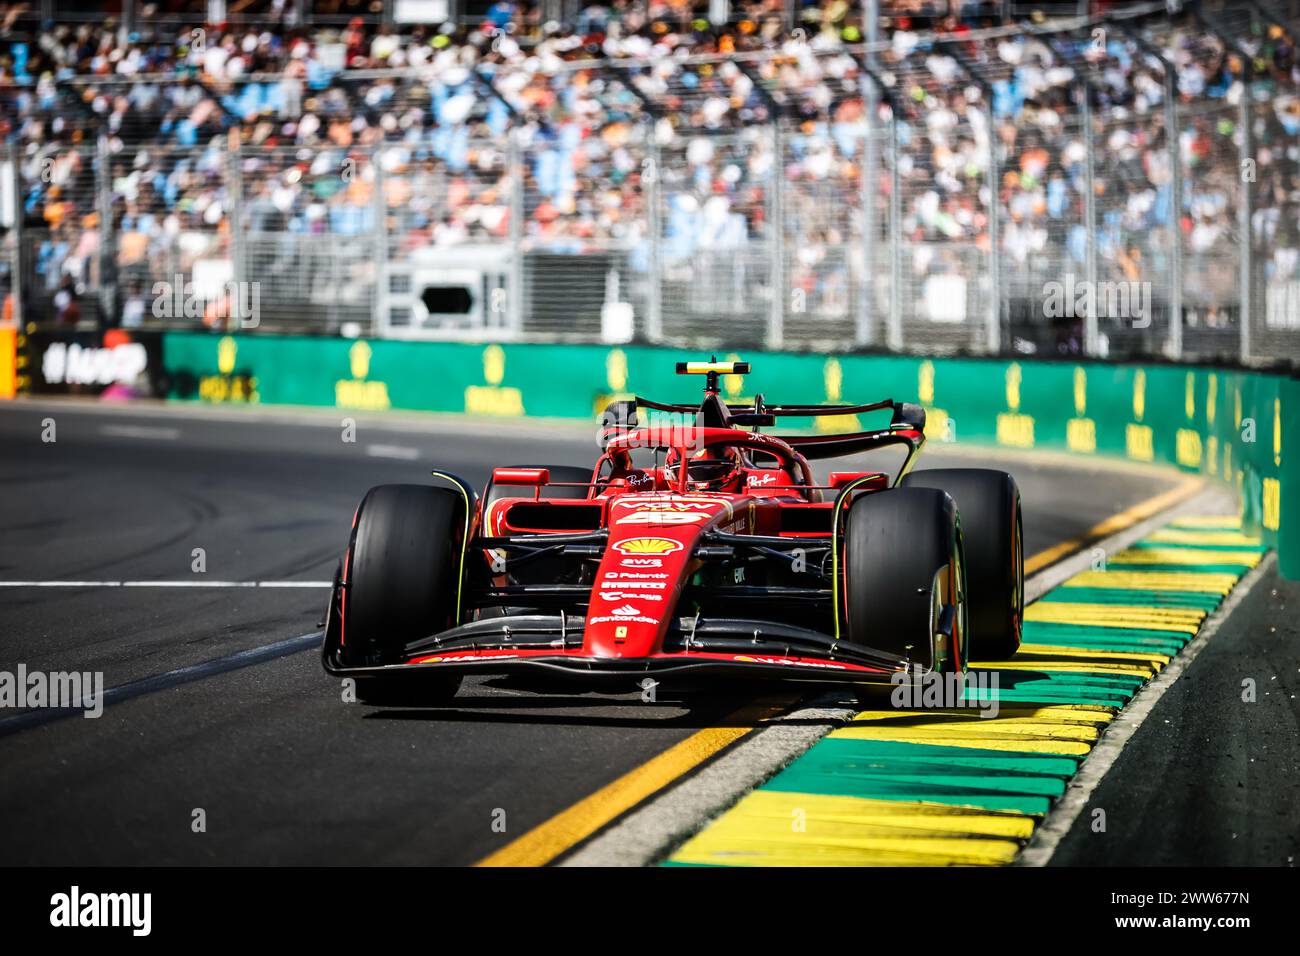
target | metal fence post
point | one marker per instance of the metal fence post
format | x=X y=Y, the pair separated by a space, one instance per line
x=235 y=190
x=870 y=173
x=654 y=230
x=107 y=245
x=865 y=326
x=1175 y=343
x=776 y=237
x=993 y=338
x=16 y=278
x=1091 y=338
x=1246 y=150
x=1243 y=218
x=515 y=295
x=895 y=335
x=379 y=208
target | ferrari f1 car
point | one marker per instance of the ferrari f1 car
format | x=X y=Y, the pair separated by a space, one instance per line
x=705 y=547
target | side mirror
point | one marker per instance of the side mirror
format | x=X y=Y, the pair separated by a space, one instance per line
x=908 y=415
x=619 y=418
x=530 y=477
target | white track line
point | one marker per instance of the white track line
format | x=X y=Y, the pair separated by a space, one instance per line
x=400 y=452
x=295 y=584
x=394 y=421
x=166 y=584
x=60 y=584
x=1121 y=729
x=189 y=584
x=159 y=433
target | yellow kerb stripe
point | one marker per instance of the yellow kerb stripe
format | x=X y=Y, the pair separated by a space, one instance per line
x=1190 y=556
x=855 y=831
x=1134 y=580
x=1178 y=536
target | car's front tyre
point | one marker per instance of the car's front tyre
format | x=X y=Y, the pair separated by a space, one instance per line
x=402 y=578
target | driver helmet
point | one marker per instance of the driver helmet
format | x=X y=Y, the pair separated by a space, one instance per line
x=714 y=469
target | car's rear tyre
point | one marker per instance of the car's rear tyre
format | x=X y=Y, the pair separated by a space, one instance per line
x=989 y=504
x=403 y=579
x=903 y=563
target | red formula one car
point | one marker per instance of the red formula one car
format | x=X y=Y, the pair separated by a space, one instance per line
x=696 y=545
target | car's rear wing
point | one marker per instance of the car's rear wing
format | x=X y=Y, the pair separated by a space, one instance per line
x=622 y=414
x=906 y=427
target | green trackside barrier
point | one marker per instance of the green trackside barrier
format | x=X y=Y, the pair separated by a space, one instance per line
x=1235 y=426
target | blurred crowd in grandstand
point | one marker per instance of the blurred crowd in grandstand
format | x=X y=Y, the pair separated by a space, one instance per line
x=438 y=101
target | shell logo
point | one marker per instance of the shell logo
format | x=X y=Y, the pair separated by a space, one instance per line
x=227 y=349
x=648 y=546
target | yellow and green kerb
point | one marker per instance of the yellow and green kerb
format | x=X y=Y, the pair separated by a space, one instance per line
x=950 y=788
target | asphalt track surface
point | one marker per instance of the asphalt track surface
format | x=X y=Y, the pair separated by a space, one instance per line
x=283 y=770
x=1212 y=778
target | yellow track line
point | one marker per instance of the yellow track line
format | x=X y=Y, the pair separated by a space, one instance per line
x=549 y=839
x=566 y=829
x=1114 y=524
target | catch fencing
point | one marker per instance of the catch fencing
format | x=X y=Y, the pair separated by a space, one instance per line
x=1064 y=192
